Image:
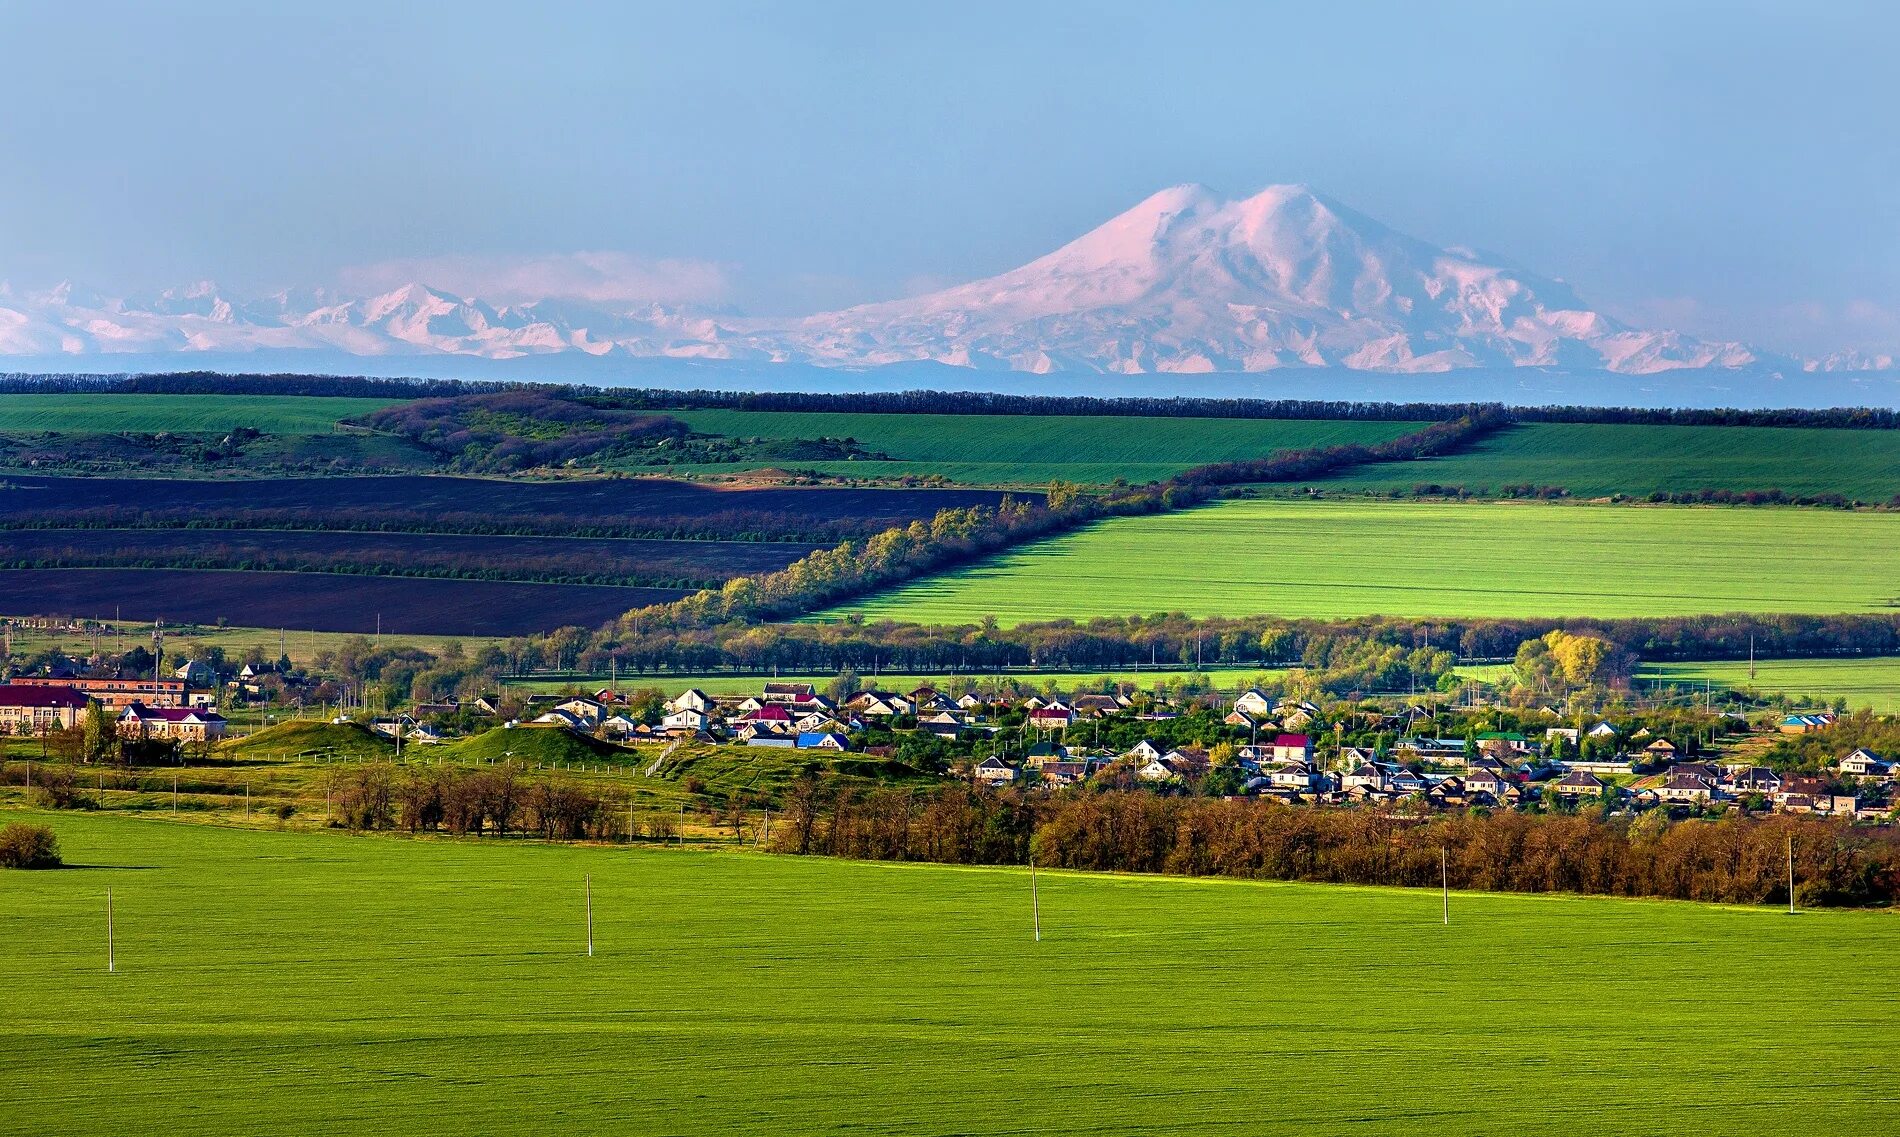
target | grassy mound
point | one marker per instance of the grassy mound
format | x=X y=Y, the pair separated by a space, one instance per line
x=765 y=773
x=306 y=739
x=535 y=744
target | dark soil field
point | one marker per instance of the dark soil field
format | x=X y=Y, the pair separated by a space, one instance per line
x=665 y=564
x=816 y=513
x=319 y=602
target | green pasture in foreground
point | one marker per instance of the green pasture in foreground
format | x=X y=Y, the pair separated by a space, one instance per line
x=1354 y=558
x=1597 y=460
x=1033 y=449
x=150 y=414
x=317 y=983
x=1872 y=682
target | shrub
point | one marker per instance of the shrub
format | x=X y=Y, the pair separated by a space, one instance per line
x=25 y=846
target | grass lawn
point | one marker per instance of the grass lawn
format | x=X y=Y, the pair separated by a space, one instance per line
x=1033 y=449
x=150 y=414
x=316 y=983
x=1354 y=558
x=1872 y=682
x=1597 y=460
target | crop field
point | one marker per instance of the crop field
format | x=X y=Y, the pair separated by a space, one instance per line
x=150 y=414
x=316 y=983
x=302 y=646
x=320 y=602
x=1867 y=682
x=587 y=560
x=1033 y=449
x=1340 y=559
x=600 y=500
x=1597 y=460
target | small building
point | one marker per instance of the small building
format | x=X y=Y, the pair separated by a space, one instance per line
x=1578 y=783
x=175 y=724
x=993 y=771
x=1293 y=748
x=39 y=710
x=1864 y=763
x=823 y=740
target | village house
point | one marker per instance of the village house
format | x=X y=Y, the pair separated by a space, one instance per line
x=1754 y=780
x=1687 y=789
x=1094 y=706
x=1801 y=793
x=1292 y=748
x=586 y=710
x=823 y=740
x=993 y=771
x=1053 y=716
x=1065 y=773
x=1806 y=723
x=789 y=692
x=39 y=710
x=1864 y=763
x=691 y=699
x=1254 y=703
x=685 y=718
x=174 y=724
x=1143 y=752
x=1578 y=783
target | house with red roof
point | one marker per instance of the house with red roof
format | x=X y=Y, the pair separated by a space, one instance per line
x=39 y=709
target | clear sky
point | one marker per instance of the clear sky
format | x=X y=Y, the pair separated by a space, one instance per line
x=1731 y=168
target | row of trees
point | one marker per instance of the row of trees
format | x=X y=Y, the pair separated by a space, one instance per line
x=933 y=402
x=1733 y=860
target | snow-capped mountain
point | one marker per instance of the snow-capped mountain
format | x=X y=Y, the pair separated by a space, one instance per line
x=1186 y=281
x=1183 y=282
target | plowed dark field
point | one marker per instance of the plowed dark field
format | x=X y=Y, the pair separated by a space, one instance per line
x=319 y=602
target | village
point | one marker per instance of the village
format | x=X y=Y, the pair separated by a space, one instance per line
x=1254 y=744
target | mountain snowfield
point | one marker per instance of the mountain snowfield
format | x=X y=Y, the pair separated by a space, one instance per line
x=1183 y=282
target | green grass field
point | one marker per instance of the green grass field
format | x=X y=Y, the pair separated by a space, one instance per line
x=1597 y=460
x=150 y=414
x=1340 y=559
x=1033 y=449
x=1872 y=682
x=316 y=983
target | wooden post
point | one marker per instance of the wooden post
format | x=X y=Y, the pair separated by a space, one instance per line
x=587 y=888
x=112 y=962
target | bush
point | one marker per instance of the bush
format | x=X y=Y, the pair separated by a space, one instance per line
x=28 y=847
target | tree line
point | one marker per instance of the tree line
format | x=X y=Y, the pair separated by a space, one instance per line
x=937 y=402
x=1735 y=859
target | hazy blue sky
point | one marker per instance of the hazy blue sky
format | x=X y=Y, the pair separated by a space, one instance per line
x=1731 y=167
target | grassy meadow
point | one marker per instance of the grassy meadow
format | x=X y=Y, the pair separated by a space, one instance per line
x=1033 y=449
x=318 y=983
x=150 y=414
x=1870 y=682
x=1598 y=460
x=1339 y=559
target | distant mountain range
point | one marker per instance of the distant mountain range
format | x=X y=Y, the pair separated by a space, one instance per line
x=1184 y=282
